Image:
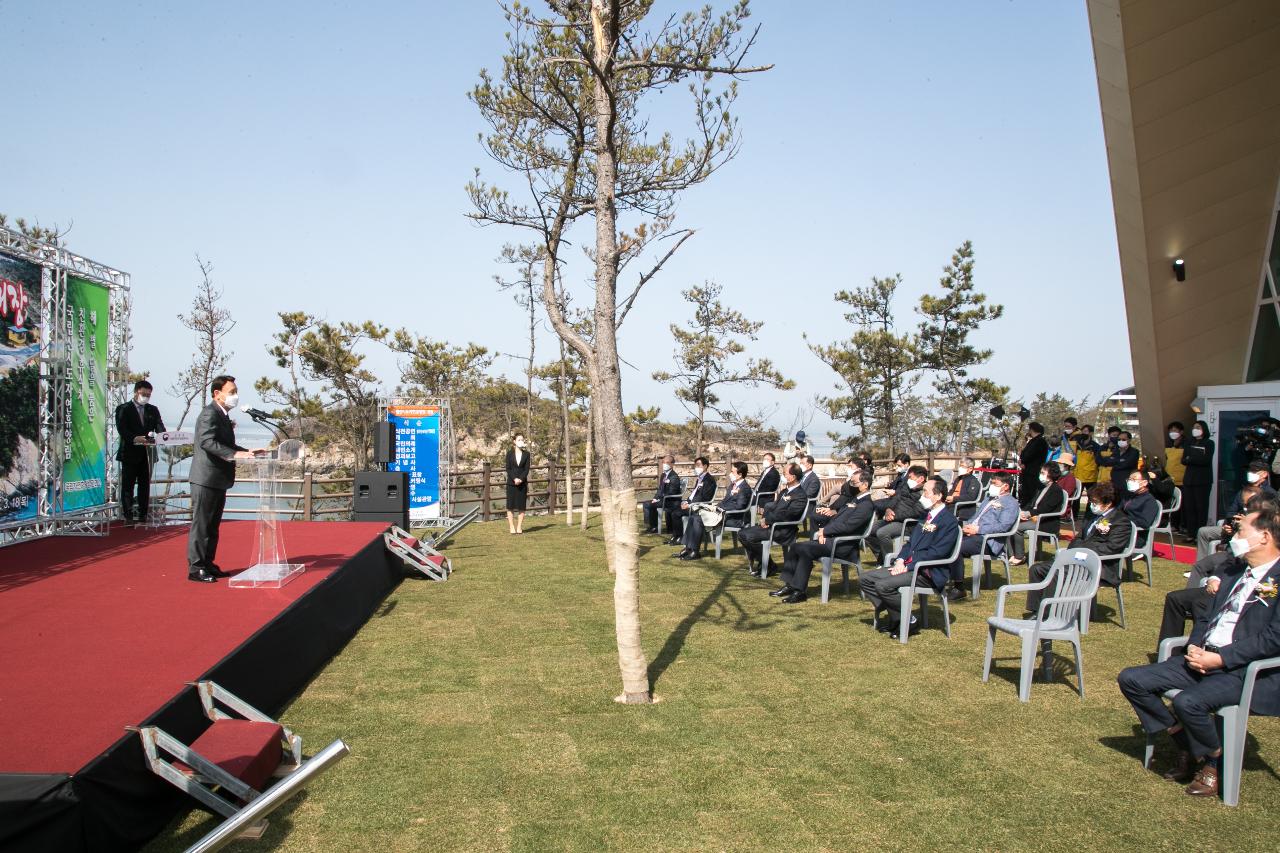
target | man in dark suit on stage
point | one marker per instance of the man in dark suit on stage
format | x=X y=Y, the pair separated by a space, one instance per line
x=702 y=491
x=136 y=420
x=734 y=509
x=851 y=519
x=668 y=484
x=789 y=506
x=213 y=472
x=1241 y=626
x=934 y=538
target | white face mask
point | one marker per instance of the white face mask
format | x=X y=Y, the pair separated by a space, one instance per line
x=914 y=484
x=1174 y=435
x=231 y=402
x=143 y=399
x=1254 y=476
x=1240 y=547
x=1044 y=479
x=1122 y=444
x=927 y=502
x=1197 y=432
x=733 y=477
x=902 y=469
x=520 y=443
x=993 y=490
x=1095 y=509
x=666 y=467
x=964 y=472
x=697 y=471
x=1132 y=485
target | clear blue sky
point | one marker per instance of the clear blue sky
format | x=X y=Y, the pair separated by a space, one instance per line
x=316 y=153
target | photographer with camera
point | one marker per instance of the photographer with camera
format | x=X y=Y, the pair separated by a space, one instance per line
x=1197 y=482
x=1256 y=483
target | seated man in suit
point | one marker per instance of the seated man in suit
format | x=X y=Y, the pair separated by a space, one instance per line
x=828 y=509
x=851 y=520
x=903 y=505
x=1106 y=534
x=701 y=492
x=770 y=478
x=1256 y=482
x=933 y=538
x=997 y=514
x=733 y=509
x=1241 y=625
x=1050 y=499
x=965 y=488
x=901 y=464
x=790 y=506
x=668 y=484
x=1202 y=580
x=1142 y=509
x=810 y=481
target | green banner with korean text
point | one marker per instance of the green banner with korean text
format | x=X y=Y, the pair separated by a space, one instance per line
x=84 y=467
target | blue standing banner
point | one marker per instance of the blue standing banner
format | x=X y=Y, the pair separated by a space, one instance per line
x=417 y=430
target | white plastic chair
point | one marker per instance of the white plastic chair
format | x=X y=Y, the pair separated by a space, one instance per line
x=912 y=590
x=898 y=542
x=1035 y=534
x=1073 y=501
x=1075 y=573
x=1235 y=723
x=1165 y=523
x=1121 y=559
x=981 y=559
x=831 y=559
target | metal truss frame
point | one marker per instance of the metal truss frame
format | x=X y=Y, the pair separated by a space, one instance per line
x=54 y=396
x=448 y=456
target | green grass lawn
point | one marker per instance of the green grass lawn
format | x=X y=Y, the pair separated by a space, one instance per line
x=480 y=716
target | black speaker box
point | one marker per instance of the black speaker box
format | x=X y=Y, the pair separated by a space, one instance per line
x=384 y=443
x=381 y=492
x=400 y=519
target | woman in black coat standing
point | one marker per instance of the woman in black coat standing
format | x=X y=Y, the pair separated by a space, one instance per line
x=1197 y=482
x=517 y=484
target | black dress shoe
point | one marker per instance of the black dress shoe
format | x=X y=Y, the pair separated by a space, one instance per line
x=219 y=573
x=201 y=577
x=691 y=555
x=649 y=531
x=780 y=593
x=912 y=630
x=795 y=597
x=955 y=593
x=679 y=555
x=674 y=540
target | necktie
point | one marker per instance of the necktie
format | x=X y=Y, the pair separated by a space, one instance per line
x=1235 y=603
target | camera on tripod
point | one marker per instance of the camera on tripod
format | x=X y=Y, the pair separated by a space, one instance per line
x=1260 y=440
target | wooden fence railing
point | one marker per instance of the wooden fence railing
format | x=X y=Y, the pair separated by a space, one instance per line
x=310 y=497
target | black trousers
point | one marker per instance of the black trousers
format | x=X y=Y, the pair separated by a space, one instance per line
x=753 y=539
x=651 y=515
x=798 y=565
x=135 y=477
x=1201 y=696
x=1195 y=507
x=881 y=587
x=693 y=533
x=1181 y=605
x=675 y=521
x=206 y=517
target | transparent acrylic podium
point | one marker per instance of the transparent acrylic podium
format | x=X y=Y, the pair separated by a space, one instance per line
x=272 y=568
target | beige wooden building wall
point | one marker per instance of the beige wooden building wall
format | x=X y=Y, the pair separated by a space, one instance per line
x=1190 y=95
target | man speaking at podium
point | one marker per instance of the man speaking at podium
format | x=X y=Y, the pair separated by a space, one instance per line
x=213 y=472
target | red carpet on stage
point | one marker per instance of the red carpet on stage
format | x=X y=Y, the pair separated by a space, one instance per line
x=99 y=633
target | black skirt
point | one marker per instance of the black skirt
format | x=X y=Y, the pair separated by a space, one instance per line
x=517 y=497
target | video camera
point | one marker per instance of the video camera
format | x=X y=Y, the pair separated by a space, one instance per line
x=1261 y=440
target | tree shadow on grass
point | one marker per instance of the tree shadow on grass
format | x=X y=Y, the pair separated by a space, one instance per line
x=717 y=607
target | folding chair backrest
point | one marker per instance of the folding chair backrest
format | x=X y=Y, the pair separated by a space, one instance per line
x=1078 y=571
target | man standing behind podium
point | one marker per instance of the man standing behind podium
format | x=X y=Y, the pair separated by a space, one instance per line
x=136 y=420
x=213 y=472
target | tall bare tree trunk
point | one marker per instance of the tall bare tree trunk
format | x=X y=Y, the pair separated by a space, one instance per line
x=568 y=447
x=586 y=467
x=619 y=500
